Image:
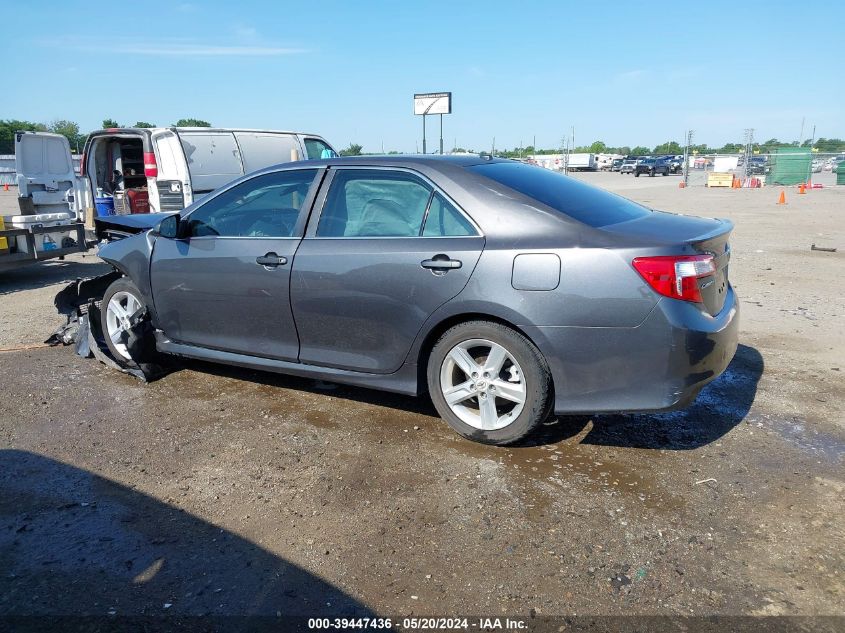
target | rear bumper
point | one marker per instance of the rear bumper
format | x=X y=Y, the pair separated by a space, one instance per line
x=659 y=365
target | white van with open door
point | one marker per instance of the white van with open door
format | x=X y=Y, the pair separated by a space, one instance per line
x=166 y=169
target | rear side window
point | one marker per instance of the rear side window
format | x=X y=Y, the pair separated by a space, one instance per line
x=374 y=203
x=444 y=220
x=590 y=205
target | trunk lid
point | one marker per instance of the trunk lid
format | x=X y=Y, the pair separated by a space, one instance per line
x=671 y=234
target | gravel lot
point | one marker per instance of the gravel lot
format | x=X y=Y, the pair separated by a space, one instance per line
x=225 y=491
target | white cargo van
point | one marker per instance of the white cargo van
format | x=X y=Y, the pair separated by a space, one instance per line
x=168 y=168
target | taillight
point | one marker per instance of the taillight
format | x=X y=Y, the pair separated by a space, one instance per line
x=150 y=167
x=676 y=277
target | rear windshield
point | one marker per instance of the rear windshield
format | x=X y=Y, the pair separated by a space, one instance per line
x=571 y=197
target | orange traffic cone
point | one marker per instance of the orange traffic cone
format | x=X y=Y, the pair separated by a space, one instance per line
x=5 y=186
x=682 y=184
x=782 y=199
x=801 y=189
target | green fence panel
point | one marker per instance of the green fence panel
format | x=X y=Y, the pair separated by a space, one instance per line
x=790 y=166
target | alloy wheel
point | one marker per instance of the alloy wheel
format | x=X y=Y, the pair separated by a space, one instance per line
x=483 y=384
x=121 y=306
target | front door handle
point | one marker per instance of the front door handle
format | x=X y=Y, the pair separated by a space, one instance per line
x=271 y=259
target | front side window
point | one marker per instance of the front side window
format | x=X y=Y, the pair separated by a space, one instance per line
x=374 y=203
x=264 y=206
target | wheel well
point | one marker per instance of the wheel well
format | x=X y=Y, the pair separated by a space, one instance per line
x=438 y=330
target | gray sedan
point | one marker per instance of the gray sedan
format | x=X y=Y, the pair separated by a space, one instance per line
x=506 y=291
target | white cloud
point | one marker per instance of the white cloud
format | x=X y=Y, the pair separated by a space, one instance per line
x=181 y=48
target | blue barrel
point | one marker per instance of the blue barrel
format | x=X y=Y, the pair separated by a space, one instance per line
x=105 y=206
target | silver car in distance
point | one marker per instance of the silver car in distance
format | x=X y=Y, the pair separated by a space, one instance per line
x=504 y=290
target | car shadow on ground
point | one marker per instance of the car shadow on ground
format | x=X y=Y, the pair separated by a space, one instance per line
x=75 y=543
x=51 y=272
x=720 y=406
x=421 y=405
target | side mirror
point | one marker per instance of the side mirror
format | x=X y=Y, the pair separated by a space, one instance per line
x=169 y=227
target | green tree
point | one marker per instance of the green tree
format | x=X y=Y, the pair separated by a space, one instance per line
x=109 y=123
x=354 y=149
x=598 y=147
x=639 y=150
x=70 y=130
x=144 y=124
x=192 y=123
x=830 y=145
x=10 y=126
x=669 y=147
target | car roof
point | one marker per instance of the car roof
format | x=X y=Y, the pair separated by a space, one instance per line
x=399 y=160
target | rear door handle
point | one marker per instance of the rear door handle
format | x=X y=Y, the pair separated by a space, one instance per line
x=441 y=262
x=271 y=259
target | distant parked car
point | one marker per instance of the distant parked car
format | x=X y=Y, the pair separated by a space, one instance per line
x=676 y=164
x=757 y=165
x=652 y=167
x=616 y=165
x=506 y=291
x=627 y=166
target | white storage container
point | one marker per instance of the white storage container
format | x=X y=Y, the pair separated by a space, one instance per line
x=43 y=241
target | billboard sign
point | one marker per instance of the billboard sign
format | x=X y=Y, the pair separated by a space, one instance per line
x=433 y=103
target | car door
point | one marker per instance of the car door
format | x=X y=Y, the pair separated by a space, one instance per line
x=387 y=249
x=224 y=283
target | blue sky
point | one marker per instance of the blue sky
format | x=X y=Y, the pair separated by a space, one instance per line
x=626 y=73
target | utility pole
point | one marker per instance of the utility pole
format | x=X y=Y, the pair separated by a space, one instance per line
x=423 y=118
x=686 y=156
x=801 y=137
x=749 y=148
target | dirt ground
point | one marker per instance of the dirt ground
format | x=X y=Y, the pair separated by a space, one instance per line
x=224 y=491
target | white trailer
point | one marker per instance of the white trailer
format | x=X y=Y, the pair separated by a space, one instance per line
x=582 y=162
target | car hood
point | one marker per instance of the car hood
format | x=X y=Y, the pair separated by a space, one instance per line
x=123 y=225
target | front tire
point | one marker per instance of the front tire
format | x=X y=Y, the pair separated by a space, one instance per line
x=121 y=300
x=489 y=382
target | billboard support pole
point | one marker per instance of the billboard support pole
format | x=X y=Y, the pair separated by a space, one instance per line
x=424 y=152
x=441 y=135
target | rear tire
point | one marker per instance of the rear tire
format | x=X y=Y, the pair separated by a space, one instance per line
x=489 y=382
x=121 y=299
